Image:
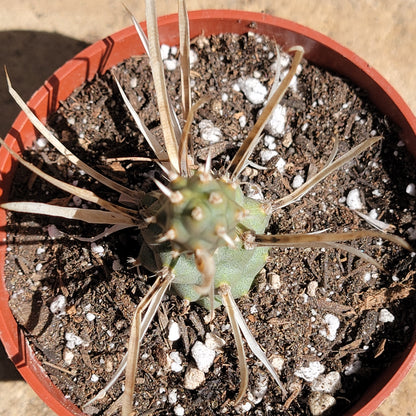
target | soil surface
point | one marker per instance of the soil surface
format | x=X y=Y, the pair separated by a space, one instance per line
x=76 y=299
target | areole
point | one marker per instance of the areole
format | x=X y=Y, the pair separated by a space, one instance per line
x=112 y=50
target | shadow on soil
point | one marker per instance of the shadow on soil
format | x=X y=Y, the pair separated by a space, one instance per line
x=31 y=58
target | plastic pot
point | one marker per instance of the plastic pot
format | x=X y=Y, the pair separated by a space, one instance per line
x=104 y=54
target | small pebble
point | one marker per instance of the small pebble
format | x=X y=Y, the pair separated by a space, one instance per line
x=329 y=383
x=266 y=155
x=385 y=316
x=411 y=189
x=352 y=368
x=133 y=82
x=173 y=396
x=277 y=362
x=117 y=266
x=53 y=232
x=319 y=403
x=77 y=201
x=94 y=378
x=174 y=331
x=179 y=410
x=68 y=356
x=275 y=282
x=214 y=342
x=193 y=378
x=354 y=199
x=311 y=290
x=297 y=182
x=90 y=316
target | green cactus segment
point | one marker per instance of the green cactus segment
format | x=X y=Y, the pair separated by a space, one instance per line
x=236 y=267
x=199 y=211
x=202 y=208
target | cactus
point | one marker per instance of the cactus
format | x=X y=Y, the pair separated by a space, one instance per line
x=201 y=235
x=203 y=215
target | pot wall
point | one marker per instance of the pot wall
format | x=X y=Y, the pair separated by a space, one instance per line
x=112 y=50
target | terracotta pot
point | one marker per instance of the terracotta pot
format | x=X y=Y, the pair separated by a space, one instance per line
x=101 y=56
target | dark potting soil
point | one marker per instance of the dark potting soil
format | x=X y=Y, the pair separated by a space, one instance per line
x=75 y=300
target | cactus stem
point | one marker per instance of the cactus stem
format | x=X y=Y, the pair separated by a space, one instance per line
x=241 y=214
x=220 y=231
x=215 y=198
x=197 y=214
x=249 y=240
x=168 y=236
x=204 y=176
x=175 y=196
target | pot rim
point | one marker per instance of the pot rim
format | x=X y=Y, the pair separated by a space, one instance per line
x=105 y=53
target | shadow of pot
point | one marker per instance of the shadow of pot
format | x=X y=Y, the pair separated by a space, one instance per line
x=106 y=53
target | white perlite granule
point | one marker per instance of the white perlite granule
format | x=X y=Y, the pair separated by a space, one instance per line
x=73 y=340
x=209 y=132
x=173 y=396
x=58 y=305
x=179 y=410
x=253 y=89
x=203 y=356
x=354 y=199
x=311 y=372
x=97 y=249
x=266 y=155
x=332 y=325
x=164 y=51
x=385 y=316
x=297 y=181
x=277 y=121
x=280 y=165
x=174 y=331
x=411 y=189
x=176 y=364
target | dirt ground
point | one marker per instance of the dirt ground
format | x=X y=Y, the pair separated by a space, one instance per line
x=42 y=35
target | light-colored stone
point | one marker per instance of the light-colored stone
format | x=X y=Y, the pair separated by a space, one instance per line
x=319 y=403
x=193 y=378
